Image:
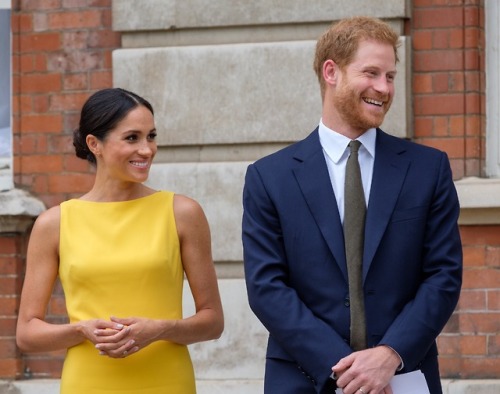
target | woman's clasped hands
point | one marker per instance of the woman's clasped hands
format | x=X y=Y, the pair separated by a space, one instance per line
x=118 y=337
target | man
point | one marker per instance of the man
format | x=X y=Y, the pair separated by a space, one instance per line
x=300 y=272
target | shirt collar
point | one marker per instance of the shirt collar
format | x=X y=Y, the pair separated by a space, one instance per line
x=335 y=144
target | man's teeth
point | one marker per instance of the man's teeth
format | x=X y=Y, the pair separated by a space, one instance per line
x=372 y=101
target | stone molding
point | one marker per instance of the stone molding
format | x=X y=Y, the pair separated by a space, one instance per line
x=18 y=209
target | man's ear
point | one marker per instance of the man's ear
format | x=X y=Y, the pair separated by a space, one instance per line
x=93 y=144
x=330 y=72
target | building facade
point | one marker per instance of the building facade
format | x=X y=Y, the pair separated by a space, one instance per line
x=231 y=81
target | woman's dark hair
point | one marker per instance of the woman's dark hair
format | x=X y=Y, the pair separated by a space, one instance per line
x=100 y=114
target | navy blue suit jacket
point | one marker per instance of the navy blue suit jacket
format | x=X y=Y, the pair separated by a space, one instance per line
x=295 y=265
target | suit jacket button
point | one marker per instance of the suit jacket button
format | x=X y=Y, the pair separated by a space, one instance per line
x=347 y=302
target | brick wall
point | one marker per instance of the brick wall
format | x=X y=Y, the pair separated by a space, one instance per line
x=449 y=113
x=470 y=345
x=62 y=53
x=11 y=263
x=448 y=80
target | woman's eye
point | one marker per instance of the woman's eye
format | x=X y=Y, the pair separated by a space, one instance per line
x=131 y=138
x=152 y=136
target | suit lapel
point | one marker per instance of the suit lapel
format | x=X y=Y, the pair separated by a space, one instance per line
x=389 y=172
x=312 y=176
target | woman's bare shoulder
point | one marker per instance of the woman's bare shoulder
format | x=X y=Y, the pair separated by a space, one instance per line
x=49 y=220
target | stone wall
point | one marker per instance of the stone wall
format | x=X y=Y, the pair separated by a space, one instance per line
x=230 y=82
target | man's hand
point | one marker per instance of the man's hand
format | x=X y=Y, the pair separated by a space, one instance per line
x=367 y=371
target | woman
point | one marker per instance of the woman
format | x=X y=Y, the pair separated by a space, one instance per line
x=121 y=252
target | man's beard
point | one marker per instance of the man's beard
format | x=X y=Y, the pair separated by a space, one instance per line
x=349 y=106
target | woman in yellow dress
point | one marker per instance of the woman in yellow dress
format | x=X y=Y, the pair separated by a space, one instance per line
x=121 y=252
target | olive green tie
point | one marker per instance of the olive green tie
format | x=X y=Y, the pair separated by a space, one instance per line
x=354 y=228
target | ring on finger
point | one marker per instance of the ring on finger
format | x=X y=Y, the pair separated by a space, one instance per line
x=362 y=391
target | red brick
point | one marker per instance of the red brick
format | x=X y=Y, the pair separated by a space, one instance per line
x=440 y=82
x=439 y=104
x=494 y=299
x=101 y=79
x=440 y=126
x=57 y=306
x=8 y=245
x=472 y=147
x=75 y=164
x=40 y=63
x=472 y=37
x=480 y=368
x=8 y=264
x=474 y=256
x=73 y=40
x=481 y=278
x=456 y=81
x=480 y=235
x=37 y=5
x=480 y=323
x=67 y=101
x=422 y=83
x=37 y=42
x=437 y=17
x=40 y=83
x=39 y=184
x=70 y=183
x=75 y=3
x=440 y=39
x=450 y=367
x=423 y=126
x=42 y=123
x=494 y=345
x=75 y=19
x=456 y=38
x=41 y=103
x=454 y=147
x=449 y=345
x=473 y=300
x=9 y=285
x=8 y=306
x=457 y=126
x=473 y=345
x=104 y=39
x=25 y=23
x=77 y=81
x=41 y=164
x=8 y=326
x=471 y=16
x=9 y=368
x=472 y=59
x=493 y=257
x=442 y=60
x=472 y=81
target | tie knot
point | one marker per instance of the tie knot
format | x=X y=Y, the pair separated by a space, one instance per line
x=354 y=145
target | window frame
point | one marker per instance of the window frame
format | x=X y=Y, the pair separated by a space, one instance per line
x=6 y=150
x=492 y=31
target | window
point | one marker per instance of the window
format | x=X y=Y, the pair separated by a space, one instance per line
x=6 y=182
x=492 y=16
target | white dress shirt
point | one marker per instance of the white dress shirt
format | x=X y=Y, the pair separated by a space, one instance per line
x=336 y=151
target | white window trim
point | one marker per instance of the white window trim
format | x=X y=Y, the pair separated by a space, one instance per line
x=492 y=18
x=6 y=163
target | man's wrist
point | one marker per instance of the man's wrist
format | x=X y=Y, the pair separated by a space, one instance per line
x=398 y=358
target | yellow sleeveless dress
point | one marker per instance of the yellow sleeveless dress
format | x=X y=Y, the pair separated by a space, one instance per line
x=123 y=259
